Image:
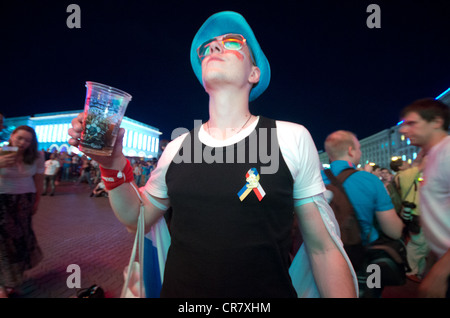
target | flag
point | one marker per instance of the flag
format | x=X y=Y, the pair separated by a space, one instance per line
x=156 y=245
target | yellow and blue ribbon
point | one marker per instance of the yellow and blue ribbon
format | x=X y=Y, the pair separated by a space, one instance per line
x=252 y=178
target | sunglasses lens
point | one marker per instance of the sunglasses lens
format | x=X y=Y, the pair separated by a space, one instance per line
x=204 y=51
x=232 y=44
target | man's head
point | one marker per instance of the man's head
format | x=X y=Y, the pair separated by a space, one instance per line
x=397 y=164
x=224 y=41
x=343 y=145
x=376 y=170
x=423 y=119
x=385 y=175
x=227 y=61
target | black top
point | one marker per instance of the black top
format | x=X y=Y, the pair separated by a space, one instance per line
x=222 y=246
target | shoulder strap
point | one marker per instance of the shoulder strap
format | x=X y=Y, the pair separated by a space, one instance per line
x=412 y=184
x=339 y=180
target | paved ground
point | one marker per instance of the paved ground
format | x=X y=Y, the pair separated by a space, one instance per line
x=73 y=228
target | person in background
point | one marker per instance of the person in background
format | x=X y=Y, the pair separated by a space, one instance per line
x=376 y=170
x=52 y=166
x=67 y=163
x=372 y=205
x=74 y=170
x=426 y=122
x=386 y=176
x=21 y=183
x=137 y=171
x=85 y=173
x=366 y=192
x=146 y=171
x=407 y=182
x=388 y=180
x=99 y=190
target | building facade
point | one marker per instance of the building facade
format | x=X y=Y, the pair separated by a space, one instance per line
x=140 y=140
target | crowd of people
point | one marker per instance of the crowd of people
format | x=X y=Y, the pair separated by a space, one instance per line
x=402 y=184
x=414 y=204
x=378 y=196
x=65 y=167
x=25 y=176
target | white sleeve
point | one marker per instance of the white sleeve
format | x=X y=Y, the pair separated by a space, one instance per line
x=300 y=270
x=301 y=156
x=156 y=185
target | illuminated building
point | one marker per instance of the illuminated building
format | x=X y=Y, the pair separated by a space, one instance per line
x=382 y=146
x=140 y=140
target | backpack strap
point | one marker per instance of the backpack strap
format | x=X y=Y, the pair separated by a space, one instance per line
x=414 y=183
x=339 y=180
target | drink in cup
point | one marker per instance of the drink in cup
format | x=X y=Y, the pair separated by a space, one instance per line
x=104 y=109
x=6 y=150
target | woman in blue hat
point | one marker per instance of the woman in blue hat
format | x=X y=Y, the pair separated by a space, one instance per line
x=233 y=185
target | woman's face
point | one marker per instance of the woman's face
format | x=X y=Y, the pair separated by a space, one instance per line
x=21 y=139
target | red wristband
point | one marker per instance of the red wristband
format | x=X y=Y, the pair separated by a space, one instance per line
x=114 y=178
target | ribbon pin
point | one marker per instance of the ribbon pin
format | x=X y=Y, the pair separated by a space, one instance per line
x=252 y=178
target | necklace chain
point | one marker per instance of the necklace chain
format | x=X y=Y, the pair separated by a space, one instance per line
x=207 y=124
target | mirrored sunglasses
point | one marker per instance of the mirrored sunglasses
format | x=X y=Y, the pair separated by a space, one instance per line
x=234 y=42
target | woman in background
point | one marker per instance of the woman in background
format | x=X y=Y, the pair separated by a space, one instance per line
x=21 y=180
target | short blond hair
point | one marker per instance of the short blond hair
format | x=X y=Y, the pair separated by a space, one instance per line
x=338 y=142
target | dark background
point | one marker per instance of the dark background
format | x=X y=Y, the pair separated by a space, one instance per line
x=329 y=70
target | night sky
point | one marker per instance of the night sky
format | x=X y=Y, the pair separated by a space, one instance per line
x=329 y=70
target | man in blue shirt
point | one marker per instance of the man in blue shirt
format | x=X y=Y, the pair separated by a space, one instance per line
x=365 y=191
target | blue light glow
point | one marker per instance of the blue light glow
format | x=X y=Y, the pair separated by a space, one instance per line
x=48 y=138
x=124 y=140
x=38 y=133
x=140 y=141
x=144 y=143
x=156 y=144
x=135 y=139
x=153 y=144
x=66 y=133
x=52 y=133
x=44 y=134
x=130 y=138
x=447 y=91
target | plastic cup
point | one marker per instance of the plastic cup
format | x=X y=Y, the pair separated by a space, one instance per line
x=104 y=109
